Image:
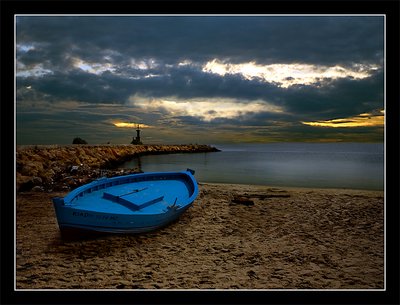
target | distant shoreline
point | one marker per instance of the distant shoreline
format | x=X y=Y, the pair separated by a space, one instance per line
x=49 y=146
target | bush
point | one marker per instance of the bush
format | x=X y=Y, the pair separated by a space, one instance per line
x=79 y=141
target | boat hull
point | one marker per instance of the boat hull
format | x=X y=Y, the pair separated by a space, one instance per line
x=127 y=204
x=114 y=223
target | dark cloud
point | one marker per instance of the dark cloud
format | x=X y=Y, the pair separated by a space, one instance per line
x=66 y=59
x=343 y=97
x=323 y=40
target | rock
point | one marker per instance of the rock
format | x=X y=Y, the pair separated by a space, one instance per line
x=38 y=188
x=70 y=182
x=37 y=180
x=23 y=183
x=27 y=183
x=74 y=169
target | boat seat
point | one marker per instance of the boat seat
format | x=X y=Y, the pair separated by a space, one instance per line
x=132 y=202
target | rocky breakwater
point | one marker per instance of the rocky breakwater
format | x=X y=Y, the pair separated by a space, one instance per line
x=62 y=168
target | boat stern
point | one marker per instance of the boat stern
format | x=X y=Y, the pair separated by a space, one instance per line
x=58 y=203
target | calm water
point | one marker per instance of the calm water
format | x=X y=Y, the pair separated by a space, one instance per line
x=338 y=165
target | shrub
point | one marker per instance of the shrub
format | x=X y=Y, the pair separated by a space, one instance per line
x=79 y=141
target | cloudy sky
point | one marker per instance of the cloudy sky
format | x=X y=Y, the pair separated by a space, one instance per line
x=199 y=79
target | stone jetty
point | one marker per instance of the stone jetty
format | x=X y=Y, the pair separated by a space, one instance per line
x=64 y=167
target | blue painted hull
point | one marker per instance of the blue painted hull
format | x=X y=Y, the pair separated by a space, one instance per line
x=127 y=204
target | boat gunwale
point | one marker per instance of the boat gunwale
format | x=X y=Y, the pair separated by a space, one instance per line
x=102 y=183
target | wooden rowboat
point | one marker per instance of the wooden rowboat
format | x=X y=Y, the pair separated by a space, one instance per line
x=127 y=204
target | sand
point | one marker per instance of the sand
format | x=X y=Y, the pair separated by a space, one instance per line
x=288 y=239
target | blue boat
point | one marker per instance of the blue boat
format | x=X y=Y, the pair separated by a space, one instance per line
x=134 y=203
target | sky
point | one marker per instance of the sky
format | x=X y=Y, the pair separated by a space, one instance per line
x=199 y=79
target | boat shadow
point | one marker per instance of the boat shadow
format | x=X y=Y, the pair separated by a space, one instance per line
x=87 y=244
x=72 y=234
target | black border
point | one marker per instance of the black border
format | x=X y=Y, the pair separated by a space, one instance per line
x=390 y=8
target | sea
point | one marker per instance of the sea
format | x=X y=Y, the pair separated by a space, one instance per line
x=312 y=165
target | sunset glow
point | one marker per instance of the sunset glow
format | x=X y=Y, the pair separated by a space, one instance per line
x=362 y=120
x=207 y=109
x=286 y=75
x=130 y=125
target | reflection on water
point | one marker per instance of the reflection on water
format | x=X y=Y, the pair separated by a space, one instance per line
x=339 y=165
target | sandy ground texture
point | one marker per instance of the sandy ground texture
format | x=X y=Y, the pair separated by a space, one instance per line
x=234 y=237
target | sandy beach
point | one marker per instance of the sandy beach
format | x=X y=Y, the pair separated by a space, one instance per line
x=286 y=238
